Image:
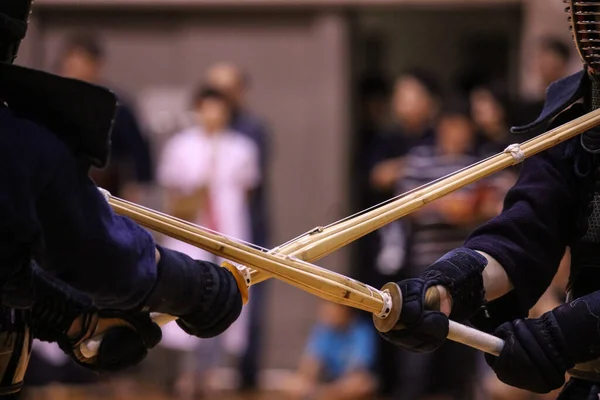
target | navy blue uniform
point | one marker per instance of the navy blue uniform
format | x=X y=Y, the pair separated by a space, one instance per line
x=48 y=201
x=554 y=204
x=530 y=236
x=543 y=212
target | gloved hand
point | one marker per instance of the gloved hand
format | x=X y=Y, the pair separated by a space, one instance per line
x=422 y=327
x=127 y=337
x=207 y=298
x=539 y=351
x=63 y=315
x=213 y=318
x=533 y=357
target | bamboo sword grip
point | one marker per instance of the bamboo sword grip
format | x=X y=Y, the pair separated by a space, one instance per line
x=457 y=332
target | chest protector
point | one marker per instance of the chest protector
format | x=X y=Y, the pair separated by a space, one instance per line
x=585 y=247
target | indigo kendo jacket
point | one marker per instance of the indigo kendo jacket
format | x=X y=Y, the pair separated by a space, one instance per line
x=542 y=211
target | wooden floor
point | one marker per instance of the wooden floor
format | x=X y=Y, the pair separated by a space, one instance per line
x=109 y=393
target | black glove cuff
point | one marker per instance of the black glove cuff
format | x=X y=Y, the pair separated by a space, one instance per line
x=183 y=284
x=460 y=271
x=56 y=307
x=547 y=331
x=578 y=327
x=215 y=317
x=204 y=295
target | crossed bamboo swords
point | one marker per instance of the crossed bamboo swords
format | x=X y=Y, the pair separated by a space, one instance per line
x=290 y=262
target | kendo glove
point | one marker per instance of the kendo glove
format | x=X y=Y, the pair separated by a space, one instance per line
x=422 y=327
x=207 y=298
x=539 y=351
x=63 y=315
x=531 y=358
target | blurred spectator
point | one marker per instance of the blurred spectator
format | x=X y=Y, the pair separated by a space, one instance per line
x=443 y=224
x=489 y=111
x=415 y=104
x=552 y=58
x=436 y=229
x=339 y=358
x=231 y=80
x=130 y=166
x=416 y=100
x=208 y=172
x=489 y=106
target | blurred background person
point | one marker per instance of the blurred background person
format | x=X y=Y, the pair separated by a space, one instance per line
x=130 y=166
x=416 y=101
x=209 y=172
x=552 y=62
x=339 y=359
x=434 y=230
x=489 y=110
x=415 y=104
x=234 y=83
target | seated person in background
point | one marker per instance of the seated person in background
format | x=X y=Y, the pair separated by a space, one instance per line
x=339 y=359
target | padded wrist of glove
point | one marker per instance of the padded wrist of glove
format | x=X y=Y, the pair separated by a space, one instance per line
x=122 y=346
x=460 y=272
x=418 y=330
x=534 y=354
x=56 y=307
x=577 y=325
x=204 y=295
x=213 y=318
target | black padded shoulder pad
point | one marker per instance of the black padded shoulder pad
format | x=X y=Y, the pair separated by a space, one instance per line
x=79 y=113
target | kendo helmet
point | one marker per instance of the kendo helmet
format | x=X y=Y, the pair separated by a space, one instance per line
x=584 y=17
x=14 y=17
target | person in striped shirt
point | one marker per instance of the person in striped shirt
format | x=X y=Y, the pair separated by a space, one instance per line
x=432 y=231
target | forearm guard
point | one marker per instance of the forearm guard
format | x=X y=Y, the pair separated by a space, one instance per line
x=460 y=272
x=203 y=294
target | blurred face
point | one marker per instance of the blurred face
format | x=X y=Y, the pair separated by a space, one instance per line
x=228 y=80
x=213 y=114
x=79 y=65
x=485 y=109
x=334 y=315
x=455 y=134
x=550 y=66
x=412 y=103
